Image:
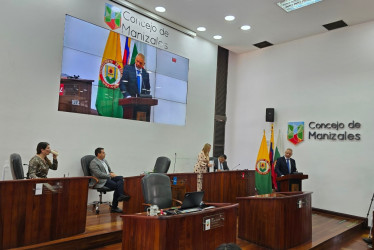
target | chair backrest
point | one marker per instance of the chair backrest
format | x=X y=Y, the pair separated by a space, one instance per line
x=16 y=166
x=157 y=190
x=85 y=163
x=162 y=165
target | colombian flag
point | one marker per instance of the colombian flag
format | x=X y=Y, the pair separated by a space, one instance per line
x=271 y=157
x=263 y=169
x=126 y=52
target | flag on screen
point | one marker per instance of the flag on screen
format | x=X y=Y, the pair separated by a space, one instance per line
x=134 y=54
x=110 y=73
x=271 y=157
x=263 y=169
x=126 y=51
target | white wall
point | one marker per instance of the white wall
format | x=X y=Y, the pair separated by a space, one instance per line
x=30 y=62
x=323 y=78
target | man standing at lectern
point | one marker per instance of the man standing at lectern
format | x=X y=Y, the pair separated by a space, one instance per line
x=135 y=79
x=285 y=164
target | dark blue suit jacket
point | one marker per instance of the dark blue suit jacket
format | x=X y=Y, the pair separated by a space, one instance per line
x=129 y=82
x=224 y=164
x=281 y=166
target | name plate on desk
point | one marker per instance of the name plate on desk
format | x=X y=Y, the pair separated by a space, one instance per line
x=213 y=221
x=46 y=188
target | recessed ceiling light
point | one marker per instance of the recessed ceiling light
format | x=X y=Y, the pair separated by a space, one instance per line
x=160 y=9
x=229 y=18
x=201 y=29
x=290 y=5
x=245 y=27
x=217 y=37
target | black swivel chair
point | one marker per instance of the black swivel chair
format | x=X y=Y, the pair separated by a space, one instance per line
x=16 y=166
x=85 y=163
x=162 y=165
x=156 y=189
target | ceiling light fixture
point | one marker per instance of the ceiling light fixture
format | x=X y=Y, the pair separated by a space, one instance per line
x=229 y=18
x=217 y=37
x=245 y=27
x=290 y=5
x=160 y=9
x=201 y=29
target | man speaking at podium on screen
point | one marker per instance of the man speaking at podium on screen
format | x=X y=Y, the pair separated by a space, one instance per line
x=135 y=79
x=285 y=165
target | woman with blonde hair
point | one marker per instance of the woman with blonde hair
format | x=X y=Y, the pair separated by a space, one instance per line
x=202 y=165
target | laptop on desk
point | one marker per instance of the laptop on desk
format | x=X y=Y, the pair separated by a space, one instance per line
x=192 y=201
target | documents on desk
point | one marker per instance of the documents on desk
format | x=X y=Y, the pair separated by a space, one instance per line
x=186 y=211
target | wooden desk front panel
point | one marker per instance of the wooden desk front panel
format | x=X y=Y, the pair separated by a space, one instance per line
x=26 y=218
x=76 y=90
x=133 y=188
x=277 y=223
x=225 y=186
x=178 y=231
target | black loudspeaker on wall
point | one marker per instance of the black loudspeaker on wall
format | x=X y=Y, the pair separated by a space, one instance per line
x=270 y=114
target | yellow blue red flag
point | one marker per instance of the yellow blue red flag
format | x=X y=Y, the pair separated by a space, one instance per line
x=263 y=169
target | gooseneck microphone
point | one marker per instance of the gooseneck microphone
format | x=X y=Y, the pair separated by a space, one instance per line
x=236 y=166
x=175 y=160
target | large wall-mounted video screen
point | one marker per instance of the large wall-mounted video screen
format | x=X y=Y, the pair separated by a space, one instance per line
x=99 y=76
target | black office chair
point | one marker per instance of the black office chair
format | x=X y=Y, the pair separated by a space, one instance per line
x=156 y=189
x=162 y=165
x=85 y=163
x=16 y=166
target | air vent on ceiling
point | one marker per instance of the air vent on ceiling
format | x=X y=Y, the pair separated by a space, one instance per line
x=262 y=44
x=335 y=25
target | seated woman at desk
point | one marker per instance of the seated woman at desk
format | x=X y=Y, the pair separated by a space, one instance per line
x=202 y=165
x=40 y=164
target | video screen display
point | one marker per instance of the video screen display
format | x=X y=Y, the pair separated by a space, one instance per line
x=99 y=76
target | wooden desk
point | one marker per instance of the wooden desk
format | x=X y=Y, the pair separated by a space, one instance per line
x=225 y=186
x=291 y=182
x=218 y=187
x=26 y=218
x=277 y=221
x=184 y=231
x=76 y=95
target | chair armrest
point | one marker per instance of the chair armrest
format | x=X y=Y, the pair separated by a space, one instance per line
x=177 y=201
x=95 y=180
x=146 y=204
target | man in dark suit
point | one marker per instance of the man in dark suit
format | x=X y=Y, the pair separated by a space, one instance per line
x=220 y=163
x=285 y=165
x=100 y=169
x=135 y=79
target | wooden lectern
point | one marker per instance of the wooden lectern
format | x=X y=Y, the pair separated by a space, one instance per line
x=137 y=108
x=291 y=182
x=277 y=220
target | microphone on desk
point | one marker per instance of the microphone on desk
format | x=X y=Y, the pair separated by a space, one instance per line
x=236 y=166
